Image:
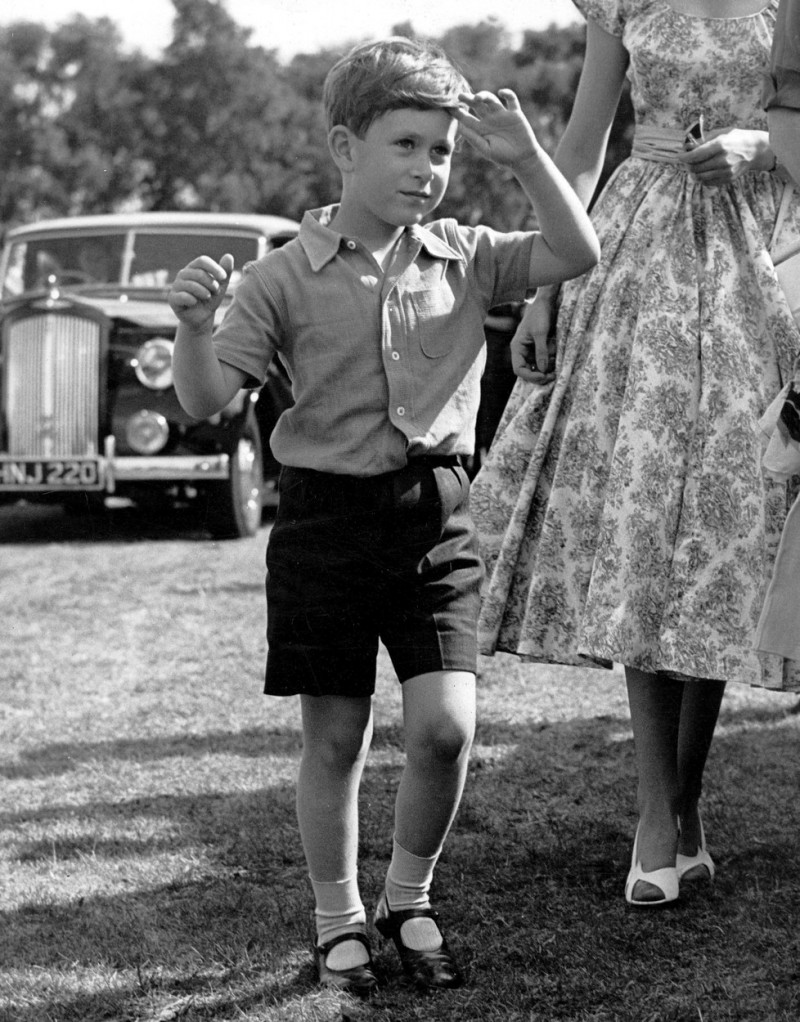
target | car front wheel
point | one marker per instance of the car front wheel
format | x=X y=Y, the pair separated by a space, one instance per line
x=235 y=504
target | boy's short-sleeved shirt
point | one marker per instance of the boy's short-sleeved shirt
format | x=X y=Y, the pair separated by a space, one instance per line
x=782 y=85
x=384 y=366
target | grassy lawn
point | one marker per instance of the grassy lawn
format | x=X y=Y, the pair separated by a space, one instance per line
x=150 y=868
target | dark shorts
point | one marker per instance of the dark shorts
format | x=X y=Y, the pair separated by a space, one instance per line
x=351 y=561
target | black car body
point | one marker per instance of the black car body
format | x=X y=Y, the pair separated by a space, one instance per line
x=87 y=406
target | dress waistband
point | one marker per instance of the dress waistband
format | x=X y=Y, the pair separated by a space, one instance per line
x=662 y=145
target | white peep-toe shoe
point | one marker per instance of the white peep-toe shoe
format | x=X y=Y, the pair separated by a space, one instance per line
x=689 y=866
x=665 y=879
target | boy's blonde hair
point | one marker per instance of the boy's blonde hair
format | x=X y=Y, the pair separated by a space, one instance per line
x=390 y=74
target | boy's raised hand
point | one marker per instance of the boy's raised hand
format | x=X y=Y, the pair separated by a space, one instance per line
x=198 y=289
x=497 y=127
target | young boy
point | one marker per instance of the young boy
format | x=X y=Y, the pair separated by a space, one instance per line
x=380 y=323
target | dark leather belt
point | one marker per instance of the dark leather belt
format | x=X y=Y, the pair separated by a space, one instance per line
x=436 y=460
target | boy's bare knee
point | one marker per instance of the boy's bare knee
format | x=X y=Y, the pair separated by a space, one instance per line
x=337 y=746
x=443 y=742
x=337 y=733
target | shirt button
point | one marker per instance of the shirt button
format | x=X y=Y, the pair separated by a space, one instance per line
x=401 y=410
x=351 y=245
x=396 y=355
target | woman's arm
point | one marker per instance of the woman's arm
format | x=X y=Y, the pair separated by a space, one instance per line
x=580 y=156
x=784 y=136
x=582 y=149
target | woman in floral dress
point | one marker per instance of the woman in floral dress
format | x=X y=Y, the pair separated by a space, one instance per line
x=625 y=513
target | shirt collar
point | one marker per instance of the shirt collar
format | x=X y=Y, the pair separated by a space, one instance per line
x=321 y=244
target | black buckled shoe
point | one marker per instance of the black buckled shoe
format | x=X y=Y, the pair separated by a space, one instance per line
x=359 y=980
x=429 y=970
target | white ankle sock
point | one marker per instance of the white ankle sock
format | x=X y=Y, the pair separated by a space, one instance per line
x=408 y=881
x=339 y=910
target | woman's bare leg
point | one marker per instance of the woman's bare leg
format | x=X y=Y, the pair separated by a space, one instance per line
x=699 y=712
x=655 y=705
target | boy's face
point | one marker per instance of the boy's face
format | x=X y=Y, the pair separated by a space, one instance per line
x=400 y=169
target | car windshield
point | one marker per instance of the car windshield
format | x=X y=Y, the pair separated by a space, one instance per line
x=131 y=259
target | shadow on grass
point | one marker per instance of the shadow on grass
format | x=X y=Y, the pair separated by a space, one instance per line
x=84 y=523
x=530 y=888
x=65 y=757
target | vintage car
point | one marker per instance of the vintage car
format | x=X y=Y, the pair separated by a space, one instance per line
x=87 y=405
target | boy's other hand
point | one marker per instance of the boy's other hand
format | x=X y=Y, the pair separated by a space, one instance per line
x=497 y=127
x=198 y=289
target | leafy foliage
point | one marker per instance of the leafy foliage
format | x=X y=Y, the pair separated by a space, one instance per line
x=218 y=123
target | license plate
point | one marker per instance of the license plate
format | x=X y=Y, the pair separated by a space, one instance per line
x=50 y=474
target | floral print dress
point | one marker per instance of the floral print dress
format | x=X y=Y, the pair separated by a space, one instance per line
x=624 y=512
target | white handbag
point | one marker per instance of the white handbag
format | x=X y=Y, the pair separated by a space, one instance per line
x=786 y=258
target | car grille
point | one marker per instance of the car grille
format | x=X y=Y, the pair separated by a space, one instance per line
x=51 y=380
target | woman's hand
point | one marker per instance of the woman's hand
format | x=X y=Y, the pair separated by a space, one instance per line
x=728 y=153
x=533 y=346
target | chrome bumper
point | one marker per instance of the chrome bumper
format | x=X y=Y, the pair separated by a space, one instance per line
x=36 y=475
x=127 y=470
x=155 y=468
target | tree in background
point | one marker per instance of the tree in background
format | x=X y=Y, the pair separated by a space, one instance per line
x=217 y=123
x=67 y=119
x=219 y=128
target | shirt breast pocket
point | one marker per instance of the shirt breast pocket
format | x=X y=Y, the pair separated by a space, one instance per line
x=434 y=321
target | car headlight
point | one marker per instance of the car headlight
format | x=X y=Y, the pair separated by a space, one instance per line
x=153 y=363
x=147 y=432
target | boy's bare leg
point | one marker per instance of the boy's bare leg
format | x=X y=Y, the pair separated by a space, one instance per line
x=337 y=731
x=439 y=722
x=439 y=716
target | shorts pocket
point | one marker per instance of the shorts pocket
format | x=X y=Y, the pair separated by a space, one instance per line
x=453 y=487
